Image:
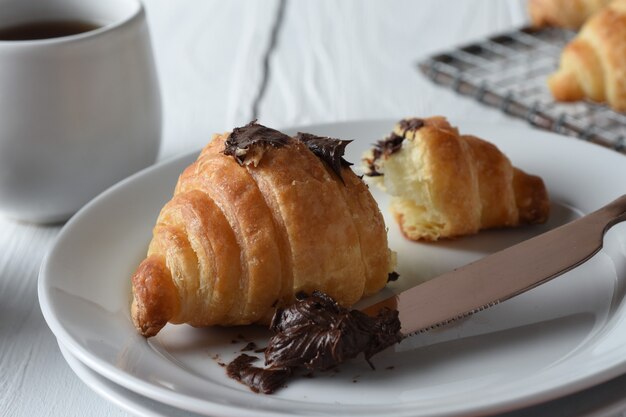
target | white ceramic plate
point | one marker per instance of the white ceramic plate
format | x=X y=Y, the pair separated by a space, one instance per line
x=604 y=400
x=561 y=337
x=118 y=395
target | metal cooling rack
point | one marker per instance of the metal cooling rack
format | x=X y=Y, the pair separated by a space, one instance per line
x=509 y=71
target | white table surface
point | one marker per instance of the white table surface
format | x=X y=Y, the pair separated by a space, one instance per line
x=332 y=61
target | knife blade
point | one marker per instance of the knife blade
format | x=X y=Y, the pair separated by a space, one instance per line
x=504 y=274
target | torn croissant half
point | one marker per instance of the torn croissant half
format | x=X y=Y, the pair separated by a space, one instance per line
x=593 y=64
x=257 y=218
x=444 y=184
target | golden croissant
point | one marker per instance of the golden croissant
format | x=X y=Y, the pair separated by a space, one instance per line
x=593 y=64
x=563 y=13
x=256 y=219
x=444 y=184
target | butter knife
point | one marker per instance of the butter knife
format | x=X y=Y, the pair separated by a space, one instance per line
x=503 y=275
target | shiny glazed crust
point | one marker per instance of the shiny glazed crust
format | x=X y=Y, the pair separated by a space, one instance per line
x=444 y=184
x=236 y=241
x=569 y=14
x=593 y=64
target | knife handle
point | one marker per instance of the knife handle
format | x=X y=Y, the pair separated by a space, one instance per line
x=612 y=213
x=583 y=237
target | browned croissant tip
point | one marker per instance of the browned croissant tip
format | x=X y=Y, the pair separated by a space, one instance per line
x=564 y=86
x=533 y=202
x=154 y=296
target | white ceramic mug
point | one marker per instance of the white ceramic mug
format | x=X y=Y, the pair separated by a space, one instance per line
x=77 y=113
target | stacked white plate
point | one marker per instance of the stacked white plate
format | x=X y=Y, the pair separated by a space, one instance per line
x=562 y=337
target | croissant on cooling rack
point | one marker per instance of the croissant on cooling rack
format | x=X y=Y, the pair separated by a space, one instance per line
x=569 y=14
x=444 y=184
x=258 y=218
x=593 y=64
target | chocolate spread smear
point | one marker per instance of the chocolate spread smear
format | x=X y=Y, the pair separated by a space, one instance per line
x=258 y=379
x=385 y=147
x=411 y=124
x=243 y=140
x=393 y=276
x=327 y=149
x=391 y=144
x=316 y=334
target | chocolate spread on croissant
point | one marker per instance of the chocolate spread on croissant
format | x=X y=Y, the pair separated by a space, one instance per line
x=316 y=333
x=244 y=142
x=391 y=144
x=242 y=139
x=327 y=149
x=411 y=124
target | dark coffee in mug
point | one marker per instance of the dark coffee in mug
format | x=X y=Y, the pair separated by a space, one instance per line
x=45 y=30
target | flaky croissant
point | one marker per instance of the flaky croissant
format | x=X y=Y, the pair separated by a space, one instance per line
x=569 y=14
x=444 y=184
x=593 y=64
x=258 y=218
